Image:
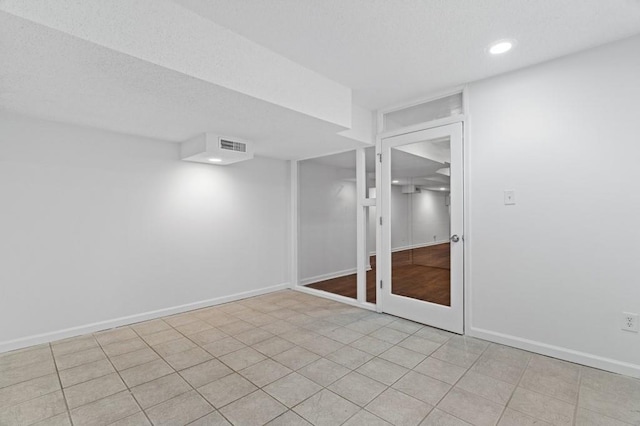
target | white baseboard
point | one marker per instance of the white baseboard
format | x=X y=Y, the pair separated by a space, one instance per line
x=335 y=297
x=415 y=246
x=37 y=339
x=330 y=275
x=566 y=354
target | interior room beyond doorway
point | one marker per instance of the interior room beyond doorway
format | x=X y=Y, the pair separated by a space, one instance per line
x=420 y=221
x=422 y=273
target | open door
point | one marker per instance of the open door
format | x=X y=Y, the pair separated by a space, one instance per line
x=421 y=219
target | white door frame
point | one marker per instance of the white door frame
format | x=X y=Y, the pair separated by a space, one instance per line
x=383 y=231
x=362 y=204
x=365 y=202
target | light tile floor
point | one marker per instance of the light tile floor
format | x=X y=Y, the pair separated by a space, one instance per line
x=289 y=358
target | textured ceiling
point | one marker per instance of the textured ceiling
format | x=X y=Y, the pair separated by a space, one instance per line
x=49 y=74
x=168 y=35
x=386 y=50
x=406 y=168
x=389 y=51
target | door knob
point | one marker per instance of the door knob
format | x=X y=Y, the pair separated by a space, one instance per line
x=455 y=238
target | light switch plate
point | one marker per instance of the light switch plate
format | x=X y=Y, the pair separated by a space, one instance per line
x=509 y=198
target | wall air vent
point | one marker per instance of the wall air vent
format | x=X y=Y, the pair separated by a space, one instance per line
x=411 y=189
x=233 y=145
x=214 y=149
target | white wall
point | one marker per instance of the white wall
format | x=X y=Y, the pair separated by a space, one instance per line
x=327 y=221
x=400 y=218
x=415 y=219
x=554 y=272
x=429 y=218
x=361 y=125
x=97 y=226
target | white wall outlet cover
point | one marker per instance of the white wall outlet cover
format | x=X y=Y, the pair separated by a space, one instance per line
x=630 y=322
x=509 y=198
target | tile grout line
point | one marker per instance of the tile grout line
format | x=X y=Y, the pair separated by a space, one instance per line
x=453 y=386
x=238 y=371
x=403 y=375
x=524 y=370
x=575 y=411
x=260 y=388
x=360 y=408
x=64 y=396
x=100 y=345
x=606 y=415
x=467 y=369
x=27 y=365
x=107 y=357
x=85 y=363
x=409 y=369
x=120 y=377
x=378 y=357
x=35 y=378
x=288 y=409
x=302 y=327
x=215 y=409
x=216 y=358
x=174 y=372
x=550 y=396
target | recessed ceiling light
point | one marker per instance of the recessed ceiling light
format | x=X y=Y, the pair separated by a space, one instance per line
x=501 y=46
x=443 y=189
x=395 y=181
x=215 y=160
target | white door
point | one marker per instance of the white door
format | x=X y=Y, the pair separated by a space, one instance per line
x=421 y=220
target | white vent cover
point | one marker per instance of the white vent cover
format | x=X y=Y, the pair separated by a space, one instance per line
x=410 y=189
x=213 y=149
x=230 y=145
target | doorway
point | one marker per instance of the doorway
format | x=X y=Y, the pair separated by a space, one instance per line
x=335 y=206
x=421 y=222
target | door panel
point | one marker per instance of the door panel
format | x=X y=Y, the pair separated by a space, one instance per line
x=421 y=262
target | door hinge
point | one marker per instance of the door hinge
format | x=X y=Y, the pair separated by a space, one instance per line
x=380 y=157
x=380 y=283
x=380 y=220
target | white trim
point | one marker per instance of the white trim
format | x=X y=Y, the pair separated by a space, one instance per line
x=466 y=237
x=296 y=283
x=331 y=275
x=415 y=246
x=37 y=339
x=423 y=126
x=434 y=96
x=293 y=221
x=362 y=259
x=403 y=105
x=327 y=276
x=378 y=224
x=327 y=154
x=451 y=317
x=336 y=297
x=559 y=352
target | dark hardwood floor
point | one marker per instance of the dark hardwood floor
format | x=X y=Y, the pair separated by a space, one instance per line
x=422 y=274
